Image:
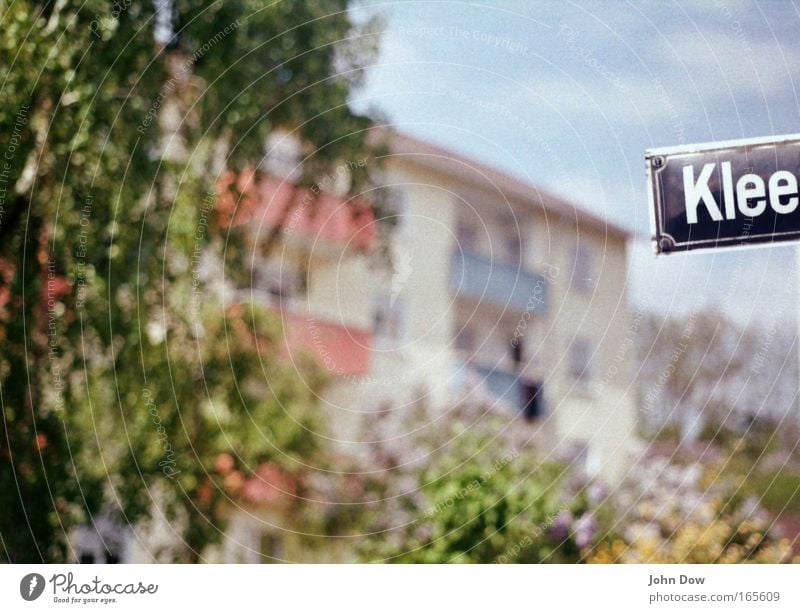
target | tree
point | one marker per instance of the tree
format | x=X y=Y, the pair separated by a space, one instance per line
x=708 y=371
x=122 y=384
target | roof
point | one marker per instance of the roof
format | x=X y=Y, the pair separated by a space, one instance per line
x=274 y=202
x=454 y=164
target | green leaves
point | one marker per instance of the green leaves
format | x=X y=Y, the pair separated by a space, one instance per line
x=92 y=188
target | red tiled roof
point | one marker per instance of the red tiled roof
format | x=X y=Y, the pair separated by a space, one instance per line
x=245 y=197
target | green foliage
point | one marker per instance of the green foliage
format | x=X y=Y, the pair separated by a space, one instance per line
x=486 y=513
x=706 y=375
x=779 y=492
x=481 y=495
x=112 y=345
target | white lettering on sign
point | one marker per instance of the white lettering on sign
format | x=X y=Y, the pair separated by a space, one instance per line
x=751 y=187
x=695 y=192
x=750 y=195
x=783 y=183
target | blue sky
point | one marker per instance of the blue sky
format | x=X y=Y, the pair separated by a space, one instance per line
x=569 y=95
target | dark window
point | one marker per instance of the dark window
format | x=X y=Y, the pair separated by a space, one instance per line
x=466 y=236
x=111 y=558
x=86 y=558
x=278 y=291
x=517 y=352
x=514 y=246
x=533 y=408
x=396 y=206
x=282 y=281
x=465 y=341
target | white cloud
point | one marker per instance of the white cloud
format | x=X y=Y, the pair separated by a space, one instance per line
x=743 y=64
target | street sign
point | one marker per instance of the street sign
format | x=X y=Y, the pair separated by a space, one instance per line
x=724 y=194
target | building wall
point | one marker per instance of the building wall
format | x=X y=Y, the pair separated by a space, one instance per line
x=599 y=411
x=341 y=288
x=585 y=309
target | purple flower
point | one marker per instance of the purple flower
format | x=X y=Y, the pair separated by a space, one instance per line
x=597 y=492
x=585 y=530
x=561 y=526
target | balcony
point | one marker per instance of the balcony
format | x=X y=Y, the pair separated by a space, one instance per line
x=496 y=386
x=340 y=350
x=502 y=285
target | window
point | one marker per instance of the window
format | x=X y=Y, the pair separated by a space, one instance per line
x=533 y=399
x=580 y=358
x=517 y=351
x=396 y=209
x=280 y=280
x=582 y=275
x=465 y=340
x=466 y=235
x=389 y=317
x=514 y=247
x=507 y=231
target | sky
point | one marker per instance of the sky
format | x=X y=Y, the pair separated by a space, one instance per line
x=568 y=96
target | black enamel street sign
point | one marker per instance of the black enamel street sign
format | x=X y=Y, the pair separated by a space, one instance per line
x=724 y=194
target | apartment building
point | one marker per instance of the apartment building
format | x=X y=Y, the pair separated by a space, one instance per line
x=486 y=289
x=504 y=294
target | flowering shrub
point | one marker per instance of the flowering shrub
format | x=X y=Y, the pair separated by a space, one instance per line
x=474 y=512
x=472 y=489
x=668 y=513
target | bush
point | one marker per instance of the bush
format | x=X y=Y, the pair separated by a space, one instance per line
x=481 y=495
x=670 y=513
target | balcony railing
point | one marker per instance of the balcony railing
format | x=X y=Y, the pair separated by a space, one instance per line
x=499 y=387
x=502 y=385
x=339 y=350
x=506 y=286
